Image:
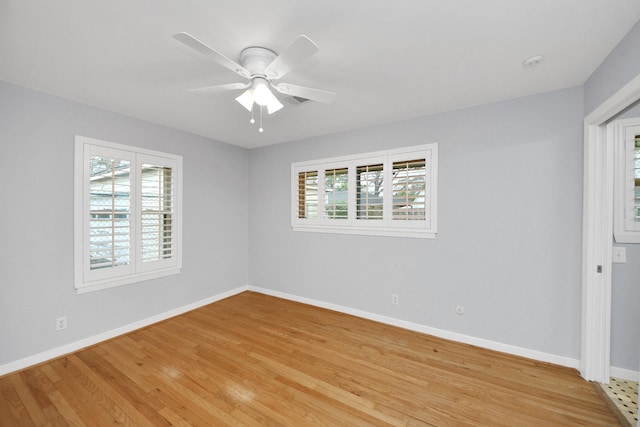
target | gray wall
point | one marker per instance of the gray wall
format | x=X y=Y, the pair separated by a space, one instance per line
x=625 y=314
x=510 y=221
x=36 y=245
x=620 y=67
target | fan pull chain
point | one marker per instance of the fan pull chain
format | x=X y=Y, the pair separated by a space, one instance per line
x=252 y=121
x=260 y=128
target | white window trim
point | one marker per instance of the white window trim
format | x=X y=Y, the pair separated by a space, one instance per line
x=138 y=272
x=625 y=230
x=387 y=226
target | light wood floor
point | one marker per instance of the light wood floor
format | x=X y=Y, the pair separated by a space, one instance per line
x=257 y=360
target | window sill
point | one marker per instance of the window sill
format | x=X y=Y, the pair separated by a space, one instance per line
x=417 y=234
x=627 y=237
x=99 y=285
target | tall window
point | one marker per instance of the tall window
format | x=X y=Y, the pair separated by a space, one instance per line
x=156 y=216
x=384 y=193
x=127 y=209
x=627 y=180
x=109 y=212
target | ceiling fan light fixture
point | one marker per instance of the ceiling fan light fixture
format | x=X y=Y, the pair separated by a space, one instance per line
x=273 y=105
x=261 y=94
x=264 y=97
x=261 y=66
x=246 y=99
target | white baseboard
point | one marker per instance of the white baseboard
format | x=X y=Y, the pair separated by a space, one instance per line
x=479 y=342
x=78 y=345
x=441 y=333
x=622 y=373
x=625 y=374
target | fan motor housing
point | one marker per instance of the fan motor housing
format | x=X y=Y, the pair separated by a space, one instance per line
x=256 y=59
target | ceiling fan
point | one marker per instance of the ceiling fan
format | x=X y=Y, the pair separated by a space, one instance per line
x=262 y=67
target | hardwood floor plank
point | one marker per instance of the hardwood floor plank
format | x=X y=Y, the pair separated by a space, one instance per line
x=65 y=410
x=12 y=409
x=77 y=396
x=132 y=387
x=34 y=390
x=256 y=360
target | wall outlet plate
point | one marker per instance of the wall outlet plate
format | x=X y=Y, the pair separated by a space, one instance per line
x=61 y=323
x=619 y=254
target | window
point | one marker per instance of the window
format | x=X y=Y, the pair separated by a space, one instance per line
x=369 y=184
x=385 y=193
x=627 y=181
x=335 y=194
x=127 y=214
x=409 y=186
x=308 y=194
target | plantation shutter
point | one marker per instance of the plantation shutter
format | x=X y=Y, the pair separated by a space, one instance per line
x=409 y=190
x=636 y=179
x=156 y=212
x=369 y=191
x=127 y=205
x=308 y=194
x=626 y=198
x=632 y=179
x=381 y=193
x=336 y=193
x=109 y=212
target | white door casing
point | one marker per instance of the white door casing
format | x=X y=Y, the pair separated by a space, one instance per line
x=598 y=190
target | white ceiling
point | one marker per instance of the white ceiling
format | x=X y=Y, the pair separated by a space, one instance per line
x=386 y=60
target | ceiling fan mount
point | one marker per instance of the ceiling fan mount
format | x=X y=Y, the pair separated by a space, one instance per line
x=256 y=59
x=261 y=66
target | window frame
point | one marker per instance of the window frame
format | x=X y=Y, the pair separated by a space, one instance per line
x=388 y=225
x=87 y=280
x=625 y=229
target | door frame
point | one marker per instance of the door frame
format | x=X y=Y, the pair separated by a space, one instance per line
x=597 y=233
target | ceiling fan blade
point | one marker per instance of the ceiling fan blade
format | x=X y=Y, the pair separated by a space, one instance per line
x=306 y=92
x=298 y=52
x=196 y=44
x=220 y=88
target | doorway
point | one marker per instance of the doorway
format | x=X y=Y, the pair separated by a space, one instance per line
x=597 y=234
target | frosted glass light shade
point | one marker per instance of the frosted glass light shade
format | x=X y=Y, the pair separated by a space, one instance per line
x=246 y=99
x=261 y=95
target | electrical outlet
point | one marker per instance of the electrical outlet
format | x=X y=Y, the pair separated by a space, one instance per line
x=394 y=299
x=61 y=323
x=460 y=310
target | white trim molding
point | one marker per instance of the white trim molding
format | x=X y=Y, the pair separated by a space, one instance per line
x=625 y=374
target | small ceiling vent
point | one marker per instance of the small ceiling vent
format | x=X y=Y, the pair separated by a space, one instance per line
x=296 y=100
